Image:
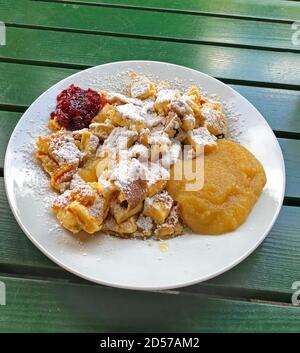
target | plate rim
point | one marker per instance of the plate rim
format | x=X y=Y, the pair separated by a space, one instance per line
x=145 y=287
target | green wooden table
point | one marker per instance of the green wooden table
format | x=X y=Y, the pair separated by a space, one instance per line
x=246 y=44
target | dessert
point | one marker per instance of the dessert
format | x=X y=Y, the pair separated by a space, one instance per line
x=111 y=159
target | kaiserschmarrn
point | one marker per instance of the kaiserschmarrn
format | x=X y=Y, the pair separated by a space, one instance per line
x=109 y=157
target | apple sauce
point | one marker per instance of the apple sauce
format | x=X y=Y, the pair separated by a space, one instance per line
x=233 y=181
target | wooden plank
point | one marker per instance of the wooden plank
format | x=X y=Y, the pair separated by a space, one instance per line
x=48 y=47
x=18 y=249
x=267 y=9
x=279 y=107
x=8 y=121
x=233 y=64
x=48 y=306
x=21 y=84
x=291 y=154
x=160 y=25
x=274 y=266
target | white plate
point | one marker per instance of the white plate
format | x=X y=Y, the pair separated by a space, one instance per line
x=137 y=264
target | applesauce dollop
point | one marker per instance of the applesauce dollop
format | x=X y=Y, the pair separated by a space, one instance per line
x=233 y=181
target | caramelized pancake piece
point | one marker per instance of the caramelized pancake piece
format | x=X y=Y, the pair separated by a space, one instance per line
x=123 y=230
x=171 y=227
x=141 y=87
x=158 y=207
x=201 y=138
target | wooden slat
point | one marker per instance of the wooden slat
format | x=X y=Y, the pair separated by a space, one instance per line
x=18 y=249
x=48 y=47
x=44 y=306
x=279 y=107
x=233 y=64
x=161 y=25
x=274 y=266
x=291 y=153
x=267 y=9
x=8 y=121
x=21 y=84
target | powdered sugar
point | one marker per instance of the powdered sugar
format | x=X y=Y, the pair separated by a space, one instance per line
x=156 y=172
x=63 y=200
x=64 y=150
x=144 y=223
x=127 y=171
x=214 y=118
x=97 y=209
x=139 y=151
x=166 y=95
x=172 y=155
x=180 y=106
x=113 y=97
x=236 y=123
x=93 y=143
x=76 y=181
x=202 y=136
x=131 y=112
x=162 y=197
x=148 y=113
x=140 y=87
x=158 y=138
x=116 y=141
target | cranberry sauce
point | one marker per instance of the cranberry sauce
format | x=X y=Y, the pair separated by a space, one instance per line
x=76 y=107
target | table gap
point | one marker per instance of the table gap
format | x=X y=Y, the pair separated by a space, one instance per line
x=242 y=82
x=156 y=38
x=210 y=290
x=179 y=11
